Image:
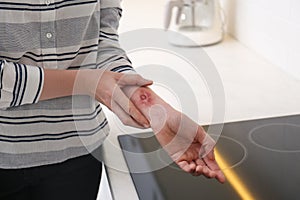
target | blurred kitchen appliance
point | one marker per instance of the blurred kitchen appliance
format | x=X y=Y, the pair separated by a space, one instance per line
x=198 y=22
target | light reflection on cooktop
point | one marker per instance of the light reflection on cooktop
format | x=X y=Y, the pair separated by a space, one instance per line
x=260 y=159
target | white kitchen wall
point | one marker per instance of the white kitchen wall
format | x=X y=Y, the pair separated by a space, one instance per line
x=270 y=27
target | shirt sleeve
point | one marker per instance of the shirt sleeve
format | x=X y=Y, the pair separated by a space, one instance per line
x=110 y=55
x=19 y=84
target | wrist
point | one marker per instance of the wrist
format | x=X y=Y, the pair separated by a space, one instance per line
x=86 y=82
x=146 y=100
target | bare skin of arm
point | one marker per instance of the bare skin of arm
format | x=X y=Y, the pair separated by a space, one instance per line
x=187 y=143
x=104 y=86
x=182 y=138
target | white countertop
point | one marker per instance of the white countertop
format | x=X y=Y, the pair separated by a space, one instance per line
x=254 y=88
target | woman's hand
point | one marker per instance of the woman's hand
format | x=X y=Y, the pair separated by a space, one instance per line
x=184 y=140
x=106 y=87
x=191 y=148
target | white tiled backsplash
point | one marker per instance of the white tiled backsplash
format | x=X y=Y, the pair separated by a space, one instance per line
x=270 y=27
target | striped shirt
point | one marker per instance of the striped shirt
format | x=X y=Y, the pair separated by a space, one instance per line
x=53 y=34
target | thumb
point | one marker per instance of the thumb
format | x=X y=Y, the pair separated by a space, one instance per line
x=207 y=147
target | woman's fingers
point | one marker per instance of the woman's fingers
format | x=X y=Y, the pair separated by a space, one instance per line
x=185 y=166
x=221 y=177
x=108 y=91
x=133 y=79
x=192 y=166
x=201 y=168
x=206 y=152
x=213 y=166
x=124 y=117
x=211 y=162
x=196 y=168
x=125 y=103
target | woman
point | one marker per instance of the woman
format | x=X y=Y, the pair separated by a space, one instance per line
x=52 y=54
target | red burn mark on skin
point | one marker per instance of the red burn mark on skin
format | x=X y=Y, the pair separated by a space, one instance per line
x=145 y=97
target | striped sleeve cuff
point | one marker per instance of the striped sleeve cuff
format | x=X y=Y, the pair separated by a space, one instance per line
x=123 y=69
x=20 y=84
x=110 y=3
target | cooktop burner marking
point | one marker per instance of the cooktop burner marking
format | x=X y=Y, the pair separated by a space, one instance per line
x=277 y=137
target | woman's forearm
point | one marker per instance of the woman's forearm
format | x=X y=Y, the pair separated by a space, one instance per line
x=58 y=83
x=104 y=86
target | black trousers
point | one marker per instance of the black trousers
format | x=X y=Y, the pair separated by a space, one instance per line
x=75 y=179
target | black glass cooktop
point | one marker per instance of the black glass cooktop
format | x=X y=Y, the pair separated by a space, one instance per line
x=261 y=160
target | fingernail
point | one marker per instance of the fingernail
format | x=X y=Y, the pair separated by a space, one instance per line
x=149 y=80
x=146 y=125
